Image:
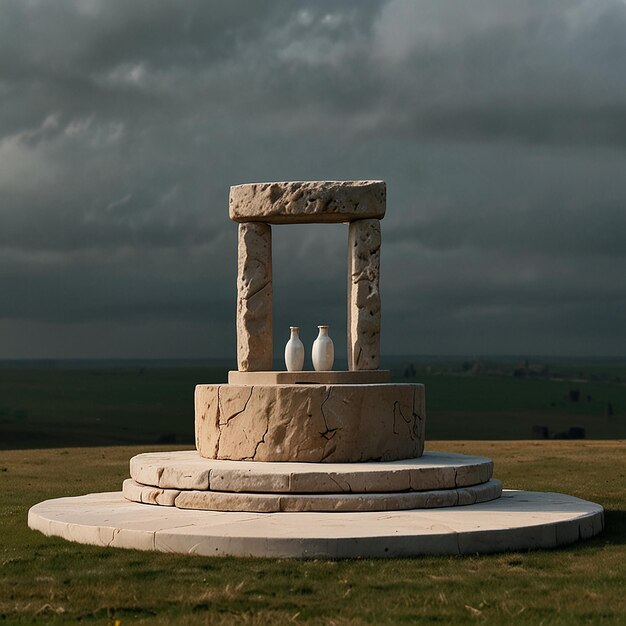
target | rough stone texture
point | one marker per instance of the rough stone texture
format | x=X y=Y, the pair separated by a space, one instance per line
x=149 y=495
x=308 y=201
x=364 y=295
x=157 y=470
x=519 y=520
x=254 y=298
x=272 y=503
x=188 y=470
x=311 y=423
x=309 y=377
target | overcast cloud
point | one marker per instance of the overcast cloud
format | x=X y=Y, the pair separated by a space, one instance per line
x=499 y=126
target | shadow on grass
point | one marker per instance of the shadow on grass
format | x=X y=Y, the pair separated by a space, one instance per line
x=614 y=528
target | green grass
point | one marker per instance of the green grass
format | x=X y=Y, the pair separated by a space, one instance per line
x=48 y=580
x=42 y=407
x=502 y=407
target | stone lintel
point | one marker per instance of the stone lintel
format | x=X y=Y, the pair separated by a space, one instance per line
x=254 y=297
x=307 y=202
x=364 y=295
x=309 y=378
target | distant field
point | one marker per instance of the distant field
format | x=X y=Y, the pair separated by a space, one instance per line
x=50 y=581
x=108 y=406
x=44 y=406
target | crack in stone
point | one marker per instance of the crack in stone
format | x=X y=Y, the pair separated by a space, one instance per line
x=327 y=453
x=395 y=404
x=417 y=418
x=358 y=356
x=256 y=448
x=159 y=473
x=116 y=532
x=237 y=413
x=329 y=433
x=398 y=409
x=251 y=295
x=220 y=424
x=341 y=487
x=217 y=417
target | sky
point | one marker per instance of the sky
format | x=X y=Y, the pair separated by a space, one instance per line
x=498 y=125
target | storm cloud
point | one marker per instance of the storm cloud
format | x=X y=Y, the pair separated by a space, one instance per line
x=499 y=126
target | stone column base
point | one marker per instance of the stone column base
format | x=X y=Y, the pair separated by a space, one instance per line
x=310 y=423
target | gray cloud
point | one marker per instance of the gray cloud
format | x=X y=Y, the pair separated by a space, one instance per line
x=498 y=125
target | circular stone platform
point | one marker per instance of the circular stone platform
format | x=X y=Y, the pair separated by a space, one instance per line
x=188 y=470
x=274 y=503
x=519 y=520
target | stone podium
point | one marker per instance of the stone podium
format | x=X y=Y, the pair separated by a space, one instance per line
x=314 y=464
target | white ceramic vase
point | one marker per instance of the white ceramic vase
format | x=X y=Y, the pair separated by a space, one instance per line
x=323 y=351
x=294 y=351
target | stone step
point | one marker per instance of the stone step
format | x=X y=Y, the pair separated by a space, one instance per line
x=188 y=470
x=319 y=502
x=519 y=520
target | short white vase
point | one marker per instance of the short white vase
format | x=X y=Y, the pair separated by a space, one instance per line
x=294 y=351
x=323 y=351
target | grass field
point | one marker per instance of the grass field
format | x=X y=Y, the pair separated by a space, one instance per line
x=43 y=407
x=47 y=580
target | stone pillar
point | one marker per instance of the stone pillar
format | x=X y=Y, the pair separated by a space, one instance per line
x=364 y=295
x=254 y=297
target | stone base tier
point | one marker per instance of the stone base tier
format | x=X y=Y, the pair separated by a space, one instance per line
x=519 y=520
x=187 y=470
x=274 y=503
x=310 y=423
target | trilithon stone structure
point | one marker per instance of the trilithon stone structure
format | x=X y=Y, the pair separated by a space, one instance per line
x=325 y=417
x=255 y=207
x=314 y=464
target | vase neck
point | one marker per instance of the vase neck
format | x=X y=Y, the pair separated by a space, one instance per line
x=295 y=331
x=323 y=331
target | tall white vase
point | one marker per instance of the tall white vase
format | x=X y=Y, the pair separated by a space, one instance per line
x=323 y=351
x=294 y=351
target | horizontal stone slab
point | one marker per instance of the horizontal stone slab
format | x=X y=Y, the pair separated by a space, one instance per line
x=343 y=377
x=273 y=503
x=519 y=520
x=310 y=423
x=307 y=202
x=149 y=495
x=188 y=470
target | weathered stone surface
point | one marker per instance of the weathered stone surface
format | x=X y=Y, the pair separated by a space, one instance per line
x=301 y=202
x=519 y=520
x=364 y=295
x=254 y=297
x=272 y=503
x=312 y=423
x=334 y=377
x=148 y=495
x=463 y=473
x=158 y=470
x=228 y=501
x=188 y=470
